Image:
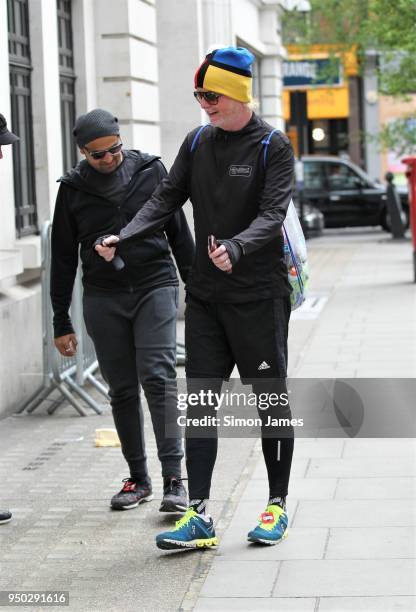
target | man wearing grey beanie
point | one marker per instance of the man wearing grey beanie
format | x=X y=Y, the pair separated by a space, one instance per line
x=130 y=308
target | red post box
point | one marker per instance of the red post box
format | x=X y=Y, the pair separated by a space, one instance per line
x=411 y=176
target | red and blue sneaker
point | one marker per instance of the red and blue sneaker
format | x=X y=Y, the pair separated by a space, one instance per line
x=272 y=528
x=191 y=531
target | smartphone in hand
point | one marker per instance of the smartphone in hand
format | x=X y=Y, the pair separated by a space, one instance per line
x=213 y=245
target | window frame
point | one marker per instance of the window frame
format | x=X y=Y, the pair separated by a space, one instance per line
x=20 y=69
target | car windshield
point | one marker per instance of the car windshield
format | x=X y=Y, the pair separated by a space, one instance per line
x=320 y=174
x=361 y=173
x=341 y=176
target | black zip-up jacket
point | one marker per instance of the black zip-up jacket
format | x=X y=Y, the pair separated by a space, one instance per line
x=81 y=216
x=234 y=195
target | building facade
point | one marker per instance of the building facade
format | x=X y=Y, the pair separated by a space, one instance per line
x=323 y=102
x=137 y=58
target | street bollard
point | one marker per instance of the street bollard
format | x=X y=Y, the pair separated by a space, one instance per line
x=394 y=207
x=411 y=176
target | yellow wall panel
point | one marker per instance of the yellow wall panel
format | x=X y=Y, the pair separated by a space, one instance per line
x=286 y=105
x=328 y=103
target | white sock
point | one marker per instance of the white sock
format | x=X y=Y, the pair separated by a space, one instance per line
x=199 y=505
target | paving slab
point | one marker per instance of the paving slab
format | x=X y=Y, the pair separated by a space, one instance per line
x=355 y=513
x=366 y=604
x=380 y=543
x=255 y=604
x=376 y=488
x=325 y=578
x=240 y=578
x=385 y=447
x=356 y=467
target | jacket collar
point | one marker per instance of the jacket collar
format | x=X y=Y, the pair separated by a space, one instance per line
x=73 y=178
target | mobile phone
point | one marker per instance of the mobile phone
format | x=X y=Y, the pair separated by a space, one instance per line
x=212 y=243
x=117 y=261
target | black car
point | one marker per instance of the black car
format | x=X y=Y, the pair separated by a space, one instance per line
x=345 y=194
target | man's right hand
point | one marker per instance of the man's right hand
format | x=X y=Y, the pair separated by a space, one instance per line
x=67 y=345
x=105 y=250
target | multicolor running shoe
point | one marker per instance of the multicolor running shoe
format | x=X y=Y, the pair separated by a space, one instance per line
x=272 y=528
x=132 y=494
x=191 y=531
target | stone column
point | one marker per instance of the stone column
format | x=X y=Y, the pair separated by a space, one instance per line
x=46 y=102
x=271 y=64
x=83 y=35
x=179 y=56
x=127 y=70
x=217 y=24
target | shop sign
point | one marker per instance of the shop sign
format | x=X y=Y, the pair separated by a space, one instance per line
x=311 y=73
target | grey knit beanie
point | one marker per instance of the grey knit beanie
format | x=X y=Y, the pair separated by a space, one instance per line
x=95 y=124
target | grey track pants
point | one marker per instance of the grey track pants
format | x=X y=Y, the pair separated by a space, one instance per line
x=135 y=340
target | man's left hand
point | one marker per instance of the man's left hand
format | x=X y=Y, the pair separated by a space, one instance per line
x=226 y=255
x=221 y=259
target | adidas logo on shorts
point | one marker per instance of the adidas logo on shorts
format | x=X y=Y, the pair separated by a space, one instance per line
x=264 y=366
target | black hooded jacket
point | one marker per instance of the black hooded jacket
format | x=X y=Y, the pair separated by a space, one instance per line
x=236 y=194
x=82 y=215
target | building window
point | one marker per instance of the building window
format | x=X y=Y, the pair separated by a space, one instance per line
x=66 y=82
x=21 y=116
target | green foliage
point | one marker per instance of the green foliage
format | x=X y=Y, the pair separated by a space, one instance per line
x=399 y=135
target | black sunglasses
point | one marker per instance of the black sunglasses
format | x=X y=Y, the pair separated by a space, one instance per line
x=209 y=96
x=101 y=154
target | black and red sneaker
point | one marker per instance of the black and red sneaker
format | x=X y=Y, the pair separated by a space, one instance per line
x=131 y=495
x=175 y=497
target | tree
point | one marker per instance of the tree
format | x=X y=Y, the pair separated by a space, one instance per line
x=385 y=26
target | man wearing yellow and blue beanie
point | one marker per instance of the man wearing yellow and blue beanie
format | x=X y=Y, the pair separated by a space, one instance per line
x=238 y=173
x=227 y=71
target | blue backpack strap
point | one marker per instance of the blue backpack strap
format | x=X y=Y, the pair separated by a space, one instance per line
x=266 y=145
x=196 y=137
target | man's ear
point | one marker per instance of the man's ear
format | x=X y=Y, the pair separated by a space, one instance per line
x=82 y=150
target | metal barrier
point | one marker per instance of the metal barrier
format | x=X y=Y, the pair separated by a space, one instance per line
x=68 y=375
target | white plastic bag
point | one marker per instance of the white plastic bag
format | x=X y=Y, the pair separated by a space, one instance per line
x=295 y=256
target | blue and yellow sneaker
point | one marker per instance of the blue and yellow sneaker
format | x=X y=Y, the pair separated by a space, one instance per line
x=272 y=528
x=191 y=531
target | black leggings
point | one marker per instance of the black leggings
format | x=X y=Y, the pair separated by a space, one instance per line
x=252 y=336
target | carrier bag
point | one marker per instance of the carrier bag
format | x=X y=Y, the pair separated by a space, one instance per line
x=296 y=258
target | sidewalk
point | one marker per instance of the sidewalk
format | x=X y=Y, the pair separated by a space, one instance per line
x=351 y=544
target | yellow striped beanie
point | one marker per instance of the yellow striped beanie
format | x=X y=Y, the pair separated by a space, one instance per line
x=227 y=71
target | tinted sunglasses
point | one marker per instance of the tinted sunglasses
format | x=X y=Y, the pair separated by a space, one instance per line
x=209 y=96
x=101 y=154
